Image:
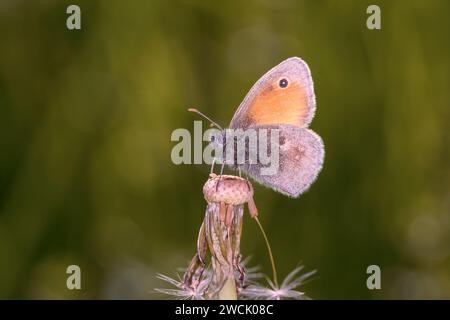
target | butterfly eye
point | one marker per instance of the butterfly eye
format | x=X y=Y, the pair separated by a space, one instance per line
x=283 y=83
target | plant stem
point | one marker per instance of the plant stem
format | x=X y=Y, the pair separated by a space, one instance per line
x=272 y=260
x=228 y=291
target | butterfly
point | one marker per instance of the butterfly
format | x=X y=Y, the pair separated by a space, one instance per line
x=281 y=101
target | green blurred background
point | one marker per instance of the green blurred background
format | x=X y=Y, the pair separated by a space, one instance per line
x=86 y=118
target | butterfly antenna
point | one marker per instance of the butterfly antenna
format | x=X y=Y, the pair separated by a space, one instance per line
x=204 y=116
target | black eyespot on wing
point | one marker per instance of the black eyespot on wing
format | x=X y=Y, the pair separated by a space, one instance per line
x=283 y=83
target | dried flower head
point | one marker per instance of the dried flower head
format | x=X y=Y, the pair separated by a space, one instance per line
x=227 y=276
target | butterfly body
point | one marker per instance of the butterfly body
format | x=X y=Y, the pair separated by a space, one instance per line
x=281 y=104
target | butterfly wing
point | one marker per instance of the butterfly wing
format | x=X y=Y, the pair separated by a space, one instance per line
x=284 y=95
x=301 y=155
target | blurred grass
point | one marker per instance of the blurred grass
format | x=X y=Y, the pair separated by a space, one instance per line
x=86 y=118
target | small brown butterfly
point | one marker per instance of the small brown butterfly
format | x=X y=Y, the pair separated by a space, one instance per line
x=283 y=99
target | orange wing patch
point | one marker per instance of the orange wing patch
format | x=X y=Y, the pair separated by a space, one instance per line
x=275 y=105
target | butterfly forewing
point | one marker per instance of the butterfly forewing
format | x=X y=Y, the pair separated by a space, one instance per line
x=284 y=95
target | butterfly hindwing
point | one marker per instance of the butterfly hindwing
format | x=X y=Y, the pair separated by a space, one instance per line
x=300 y=159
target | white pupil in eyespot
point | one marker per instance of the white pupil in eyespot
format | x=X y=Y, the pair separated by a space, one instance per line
x=283 y=83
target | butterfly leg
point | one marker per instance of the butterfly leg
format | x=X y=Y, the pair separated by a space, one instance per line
x=246 y=178
x=220 y=176
x=212 y=165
